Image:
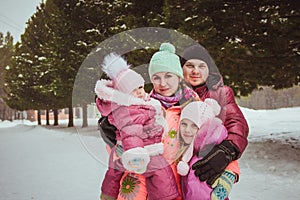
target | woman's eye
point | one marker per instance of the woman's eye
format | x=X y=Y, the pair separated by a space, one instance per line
x=169 y=75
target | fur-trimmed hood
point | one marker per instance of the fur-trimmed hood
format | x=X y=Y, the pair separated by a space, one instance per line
x=105 y=91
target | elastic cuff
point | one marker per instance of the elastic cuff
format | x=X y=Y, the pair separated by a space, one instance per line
x=232 y=150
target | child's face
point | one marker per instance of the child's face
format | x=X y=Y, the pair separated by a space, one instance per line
x=188 y=130
x=139 y=92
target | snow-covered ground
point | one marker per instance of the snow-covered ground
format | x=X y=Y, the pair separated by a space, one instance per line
x=53 y=163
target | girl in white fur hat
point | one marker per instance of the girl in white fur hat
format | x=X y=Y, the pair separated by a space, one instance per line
x=140 y=126
x=199 y=131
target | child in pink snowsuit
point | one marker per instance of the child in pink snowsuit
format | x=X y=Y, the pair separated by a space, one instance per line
x=200 y=130
x=140 y=126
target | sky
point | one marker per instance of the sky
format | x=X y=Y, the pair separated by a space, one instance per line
x=14 y=14
x=47 y=162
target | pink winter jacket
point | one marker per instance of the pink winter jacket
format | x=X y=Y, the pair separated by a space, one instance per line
x=210 y=134
x=137 y=121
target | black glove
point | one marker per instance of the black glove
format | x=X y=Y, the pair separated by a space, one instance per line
x=107 y=131
x=214 y=163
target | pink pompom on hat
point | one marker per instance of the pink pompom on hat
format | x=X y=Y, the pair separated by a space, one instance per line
x=117 y=69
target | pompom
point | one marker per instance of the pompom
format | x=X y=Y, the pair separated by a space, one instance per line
x=113 y=64
x=183 y=168
x=167 y=47
x=214 y=105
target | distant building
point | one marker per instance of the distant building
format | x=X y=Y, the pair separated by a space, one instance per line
x=6 y=113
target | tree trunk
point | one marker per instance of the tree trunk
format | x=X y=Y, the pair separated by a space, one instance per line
x=4 y=114
x=17 y=115
x=84 y=116
x=47 y=117
x=39 y=117
x=55 y=114
x=70 y=124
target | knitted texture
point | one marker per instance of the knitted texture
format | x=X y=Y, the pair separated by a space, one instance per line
x=200 y=112
x=222 y=186
x=165 y=60
x=124 y=79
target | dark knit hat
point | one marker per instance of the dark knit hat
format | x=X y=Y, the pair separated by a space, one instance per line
x=199 y=52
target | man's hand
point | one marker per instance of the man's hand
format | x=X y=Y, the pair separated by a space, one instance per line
x=214 y=163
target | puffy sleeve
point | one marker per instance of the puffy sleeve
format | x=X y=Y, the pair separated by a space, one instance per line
x=131 y=122
x=234 y=121
x=104 y=107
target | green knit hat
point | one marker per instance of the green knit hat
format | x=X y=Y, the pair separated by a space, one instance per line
x=165 y=60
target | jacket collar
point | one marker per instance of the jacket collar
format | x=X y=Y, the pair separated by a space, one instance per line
x=214 y=81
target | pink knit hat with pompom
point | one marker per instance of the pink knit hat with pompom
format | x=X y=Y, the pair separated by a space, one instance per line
x=124 y=79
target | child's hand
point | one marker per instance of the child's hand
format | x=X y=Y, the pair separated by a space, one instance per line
x=222 y=186
x=136 y=160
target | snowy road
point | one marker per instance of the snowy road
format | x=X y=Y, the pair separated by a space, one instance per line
x=37 y=163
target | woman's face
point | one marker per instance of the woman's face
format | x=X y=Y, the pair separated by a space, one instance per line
x=195 y=72
x=188 y=130
x=165 y=83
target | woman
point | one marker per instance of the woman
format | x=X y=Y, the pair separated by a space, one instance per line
x=202 y=74
x=140 y=127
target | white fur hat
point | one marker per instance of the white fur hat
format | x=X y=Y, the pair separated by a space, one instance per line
x=199 y=112
x=124 y=79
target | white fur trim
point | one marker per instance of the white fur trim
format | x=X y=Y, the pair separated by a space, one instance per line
x=155 y=149
x=105 y=91
x=113 y=64
x=136 y=160
x=183 y=168
x=102 y=89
